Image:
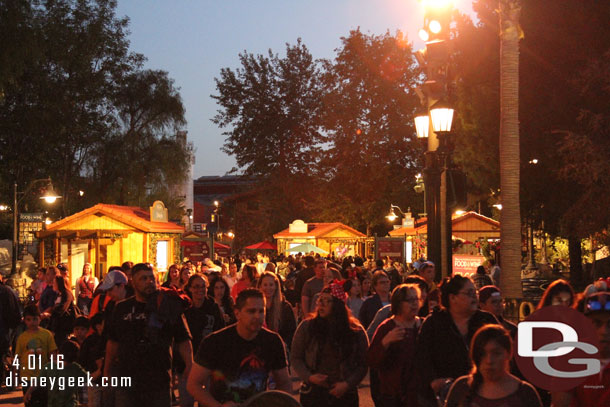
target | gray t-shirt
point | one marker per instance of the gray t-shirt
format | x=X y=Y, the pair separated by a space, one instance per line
x=312 y=287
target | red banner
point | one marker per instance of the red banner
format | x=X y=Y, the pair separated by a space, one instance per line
x=390 y=247
x=466 y=265
x=195 y=251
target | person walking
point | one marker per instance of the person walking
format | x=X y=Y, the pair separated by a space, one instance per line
x=203 y=318
x=279 y=316
x=490 y=382
x=444 y=338
x=143 y=329
x=392 y=350
x=329 y=353
x=234 y=364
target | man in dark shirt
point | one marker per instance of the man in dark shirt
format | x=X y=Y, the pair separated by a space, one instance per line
x=140 y=338
x=234 y=363
x=304 y=275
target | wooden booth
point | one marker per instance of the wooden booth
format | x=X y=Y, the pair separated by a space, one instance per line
x=337 y=237
x=470 y=232
x=108 y=235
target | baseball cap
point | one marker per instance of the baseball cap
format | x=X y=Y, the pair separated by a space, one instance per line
x=425 y=264
x=487 y=292
x=113 y=278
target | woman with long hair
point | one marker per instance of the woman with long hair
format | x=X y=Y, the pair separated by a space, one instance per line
x=392 y=350
x=203 y=318
x=353 y=289
x=445 y=335
x=172 y=277
x=185 y=274
x=85 y=287
x=248 y=279
x=63 y=314
x=219 y=292
x=365 y=284
x=329 y=353
x=279 y=316
x=559 y=292
x=490 y=382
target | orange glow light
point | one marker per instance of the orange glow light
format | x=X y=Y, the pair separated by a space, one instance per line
x=435 y=26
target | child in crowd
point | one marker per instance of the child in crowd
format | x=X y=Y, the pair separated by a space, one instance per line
x=91 y=357
x=79 y=332
x=63 y=376
x=33 y=341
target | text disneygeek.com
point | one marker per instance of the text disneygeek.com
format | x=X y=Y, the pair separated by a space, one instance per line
x=62 y=382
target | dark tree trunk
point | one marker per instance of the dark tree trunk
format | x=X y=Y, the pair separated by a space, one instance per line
x=575 y=251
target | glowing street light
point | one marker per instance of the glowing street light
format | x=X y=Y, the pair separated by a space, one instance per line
x=435 y=27
x=423 y=35
x=50 y=196
x=441 y=114
x=422 y=125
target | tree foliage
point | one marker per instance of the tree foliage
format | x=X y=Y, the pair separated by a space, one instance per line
x=372 y=156
x=329 y=140
x=78 y=106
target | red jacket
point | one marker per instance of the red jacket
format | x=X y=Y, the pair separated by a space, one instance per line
x=395 y=364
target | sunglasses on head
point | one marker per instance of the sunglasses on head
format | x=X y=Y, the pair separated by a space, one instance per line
x=596 y=303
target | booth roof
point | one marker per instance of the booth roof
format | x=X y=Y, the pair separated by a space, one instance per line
x=317 y=230
x=131 y=215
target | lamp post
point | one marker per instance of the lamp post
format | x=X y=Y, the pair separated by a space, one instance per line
x=217 y=212
x=50 y=196
x=433 y=123
x=441 y=116
x=391 y=216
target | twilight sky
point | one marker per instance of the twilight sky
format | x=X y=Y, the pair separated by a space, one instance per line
x=194 y=39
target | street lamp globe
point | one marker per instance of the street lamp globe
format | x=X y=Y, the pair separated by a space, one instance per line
x=422 y=125
x=442 y=116
x=435 y=26
x=50 y=196
x=423 y=35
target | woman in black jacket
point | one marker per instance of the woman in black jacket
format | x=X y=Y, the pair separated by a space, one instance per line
x=329 y=353
x=442 y=345
x=279 y=317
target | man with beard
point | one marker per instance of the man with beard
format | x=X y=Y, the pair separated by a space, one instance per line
x=143 y=328
x=234 y=363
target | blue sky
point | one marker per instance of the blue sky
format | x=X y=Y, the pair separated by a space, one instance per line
x=194 y=39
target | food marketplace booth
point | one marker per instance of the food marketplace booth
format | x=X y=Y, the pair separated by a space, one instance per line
x=475 y=238
x=330 y=237
x=196 y=247
x=108 y=235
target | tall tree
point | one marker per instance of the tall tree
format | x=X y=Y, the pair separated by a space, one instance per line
x=270 y=110
x=144 y=151
x=510 y=219
x=372 y=155
x=65 y=104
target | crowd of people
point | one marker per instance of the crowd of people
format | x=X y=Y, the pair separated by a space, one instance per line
x=217 y=333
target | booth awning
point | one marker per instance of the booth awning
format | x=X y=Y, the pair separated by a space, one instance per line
x=262 y=246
